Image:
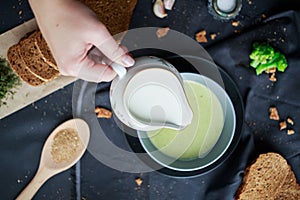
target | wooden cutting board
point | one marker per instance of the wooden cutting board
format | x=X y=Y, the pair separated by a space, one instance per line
x=26 y=94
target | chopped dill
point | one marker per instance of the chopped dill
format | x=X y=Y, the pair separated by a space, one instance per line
x=8 y=81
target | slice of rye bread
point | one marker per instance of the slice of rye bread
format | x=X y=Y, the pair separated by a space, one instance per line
x=19 y=67
x=269 y=177
x=114 y=14
x=44 y=49
x=34 y=61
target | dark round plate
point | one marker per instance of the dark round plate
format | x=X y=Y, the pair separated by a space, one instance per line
x=183 y=65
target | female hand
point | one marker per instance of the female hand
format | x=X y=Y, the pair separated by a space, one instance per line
x=78 y=40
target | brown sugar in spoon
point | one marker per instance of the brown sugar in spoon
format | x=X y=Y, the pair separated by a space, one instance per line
x=63 y=148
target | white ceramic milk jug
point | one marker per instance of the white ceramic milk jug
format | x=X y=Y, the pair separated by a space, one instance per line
x=150 y=96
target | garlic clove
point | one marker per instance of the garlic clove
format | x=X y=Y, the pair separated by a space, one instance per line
x=159 y=9
x=168 y=4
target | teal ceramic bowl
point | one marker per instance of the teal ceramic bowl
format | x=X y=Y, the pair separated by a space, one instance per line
x=221 y=145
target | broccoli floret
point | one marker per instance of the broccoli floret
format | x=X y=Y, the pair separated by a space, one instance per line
x=264 y=57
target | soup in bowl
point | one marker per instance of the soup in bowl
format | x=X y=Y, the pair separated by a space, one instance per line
x=202 y=142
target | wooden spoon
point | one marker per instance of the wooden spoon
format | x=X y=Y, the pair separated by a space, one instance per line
x=48 y=167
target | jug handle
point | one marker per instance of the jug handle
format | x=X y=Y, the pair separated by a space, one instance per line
x=119 y=69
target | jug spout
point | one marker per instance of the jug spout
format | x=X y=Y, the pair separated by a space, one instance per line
x=151 y=96
x=187 y=117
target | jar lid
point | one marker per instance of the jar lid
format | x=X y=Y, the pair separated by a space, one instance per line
x=224 y=9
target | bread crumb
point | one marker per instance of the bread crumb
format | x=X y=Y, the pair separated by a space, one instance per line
x=235 y=23
x=103 y=113
x=282 y=125
x=213 y=36
x=237 y=31
x=273 y=78
x=273 y=113
x=201 y=36
x=138 y=181
x=270 y=71
x=161 y=32
x=263 y=16
x=290 y=132
x=290 y=121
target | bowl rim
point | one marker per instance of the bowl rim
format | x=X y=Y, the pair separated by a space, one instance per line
x=232 y=90
x=187 y=76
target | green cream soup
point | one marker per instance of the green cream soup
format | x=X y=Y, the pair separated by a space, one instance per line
x=198 y=138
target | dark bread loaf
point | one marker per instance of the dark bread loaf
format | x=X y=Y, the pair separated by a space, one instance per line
x=19 y=67
x=114 y=14
x=269 y=177
x=34 y=61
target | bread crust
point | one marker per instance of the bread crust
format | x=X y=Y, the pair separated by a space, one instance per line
x=269 y=177
x=19 y=67
x=44 y=49
x=33 y=60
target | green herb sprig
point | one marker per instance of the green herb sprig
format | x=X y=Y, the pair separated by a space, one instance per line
x=8 y=81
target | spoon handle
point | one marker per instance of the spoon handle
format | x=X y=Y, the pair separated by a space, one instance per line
x=38 y=180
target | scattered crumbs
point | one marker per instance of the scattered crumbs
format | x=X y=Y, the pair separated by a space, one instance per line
x=263 y=16
x=213 y=36
x=103 y=112
x=19 y=181
x=290 y=132
x=138 y=181
x=20 y=12
x=249 y=2
x=235 y=23
x=282 y=125
x=290 y=121
x=201 y=36
x=284 y=29
x=273 y=113
x=237 y=31
x=273 y=78
x=161 y=32
x=145 y=17
x=240 y=77
x=83 y=198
